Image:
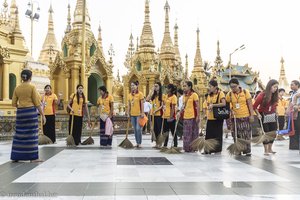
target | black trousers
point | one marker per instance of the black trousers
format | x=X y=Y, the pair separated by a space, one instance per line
x=281 y=122
x=214 y=130
x=77 y=128
x=170 y=126
x=157 y=125
x=49 y=127
x=294 y=140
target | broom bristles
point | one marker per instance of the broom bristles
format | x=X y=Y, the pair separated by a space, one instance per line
x=70 y=140
x=160 y=140
x=126 y=144
x=153 y=137
x=164 y=149
x=262 y=138
x=236 y=148
x=173 y=150
x=208 y=145
x=43 y=139
x=88 y=141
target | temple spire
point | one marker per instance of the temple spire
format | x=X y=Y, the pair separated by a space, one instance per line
x=167 y=44
x=130 y=50
x=198 y=58
x=77 y=24
x=218 y=60
x=69 y=27
x=176 y=46
x=283 y=83
x=100 y=39
x=186 y=67
x=146 y=39
x=50 y=46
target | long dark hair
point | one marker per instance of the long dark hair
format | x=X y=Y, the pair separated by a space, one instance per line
x=77 y=94
x=269 y=96
x=26 y=74
x=190 y=84
x=154 y=95
x=173 y=88
x=213 y=83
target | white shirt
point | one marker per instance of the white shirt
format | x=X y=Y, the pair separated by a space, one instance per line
x=180 y=103
x=147 y=107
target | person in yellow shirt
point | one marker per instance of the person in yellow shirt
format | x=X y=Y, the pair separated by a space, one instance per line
x=25 y=141
x=156 y=98
x=191 y=117
x=77 y=105
x=106 y=108
x=214 y=127
x=169 y=116
x=49 y=101
x=242 y=111
x=281 y=108
x=136 y=111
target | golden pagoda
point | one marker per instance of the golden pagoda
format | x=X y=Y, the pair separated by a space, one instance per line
x=69 y=69
x=283 y=82
x=147 y=65
x=12 y=55
x=198 y=76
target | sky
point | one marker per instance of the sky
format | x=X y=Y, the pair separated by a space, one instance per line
x=269 y=29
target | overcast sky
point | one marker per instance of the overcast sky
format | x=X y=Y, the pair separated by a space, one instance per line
x=268 y=28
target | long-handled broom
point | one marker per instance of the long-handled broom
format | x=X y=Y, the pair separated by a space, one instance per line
x=43 y=139
x=153 y=137
x=239 y=144
x=126 y=144
x=174 y=150
x=162 y=136
x=90 y=140
x=201 y=143
x=70 y=139
x=263 y=136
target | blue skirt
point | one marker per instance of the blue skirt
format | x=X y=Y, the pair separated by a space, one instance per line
x=25 y=140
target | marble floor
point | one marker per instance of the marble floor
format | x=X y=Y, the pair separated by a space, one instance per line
x=92 y=172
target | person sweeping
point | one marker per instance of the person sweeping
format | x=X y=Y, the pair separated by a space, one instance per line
x=265 y=108
x=190 y=115
x=77 y=104
x=49 y=102
x=106 y=108
x=136 y=111
x=243 y=113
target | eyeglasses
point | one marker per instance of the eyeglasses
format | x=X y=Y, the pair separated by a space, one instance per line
x=233 y=86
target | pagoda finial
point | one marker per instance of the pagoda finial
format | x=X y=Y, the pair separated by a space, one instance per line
x=69 y=27
x=147 y=35
x=198 y=58
x=118 y=76
x=176 y=45
x=100 y=38
x=78 y=15
x=186 y=67
x=283 y=83
x=218 y=60
x=50 y=46
x=130 y=50
x=137 y=43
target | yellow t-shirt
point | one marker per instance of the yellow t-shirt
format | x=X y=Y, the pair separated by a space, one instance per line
x=25 y=95
x=78 y=108
x=168 y=102
x=213 y=99
x=189 y=110
x=155 y=105
x=135 y=103
x=104 y=104
x=49 y=105
x=239 y=103
x=282 y=105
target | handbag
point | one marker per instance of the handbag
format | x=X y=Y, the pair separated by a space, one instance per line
x=269 y=118
x=223 y=112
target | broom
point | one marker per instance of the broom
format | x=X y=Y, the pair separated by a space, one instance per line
x=263 y=136
x=126 y=144
x=70 y=139
x=279 y=136
x=201 y=143
x=162 y=137
x=89 y=140
x=43 y=139
x=239 y=144
x=153 y=137
x=174 y=150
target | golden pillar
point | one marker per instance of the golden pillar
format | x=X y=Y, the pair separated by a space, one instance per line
x=5 y=81
x=83 y=75
x=52 y=83
x=66 y=94
x=109 y=83
x=74 y=79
